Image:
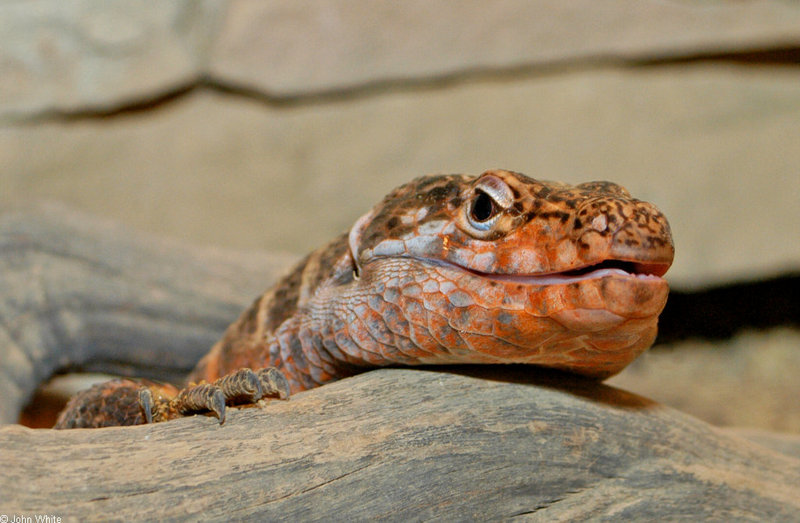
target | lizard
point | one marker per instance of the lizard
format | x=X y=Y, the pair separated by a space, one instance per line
x=446 y=269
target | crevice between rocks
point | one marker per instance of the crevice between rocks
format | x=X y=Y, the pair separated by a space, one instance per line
x=788 y=56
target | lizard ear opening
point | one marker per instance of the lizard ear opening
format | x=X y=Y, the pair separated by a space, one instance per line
x=354 y=239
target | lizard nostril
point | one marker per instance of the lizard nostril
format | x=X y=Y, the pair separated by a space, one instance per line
x=600 y=223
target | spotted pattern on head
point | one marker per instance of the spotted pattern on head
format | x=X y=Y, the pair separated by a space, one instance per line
x=507 y=223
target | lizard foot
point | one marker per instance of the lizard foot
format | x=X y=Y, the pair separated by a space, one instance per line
x=244 y=386
x=110 y=404
x=136 y=402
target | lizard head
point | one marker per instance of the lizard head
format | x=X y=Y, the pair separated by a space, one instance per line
x=524 y=270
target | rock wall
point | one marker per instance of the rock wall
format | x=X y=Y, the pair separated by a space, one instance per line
x=274 y=124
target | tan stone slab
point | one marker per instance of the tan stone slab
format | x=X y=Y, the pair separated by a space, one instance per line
x=716 y=148
x=306 y=46
x=102 y=54
x=97 y=54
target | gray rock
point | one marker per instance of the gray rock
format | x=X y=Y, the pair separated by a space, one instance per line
x=716 y=148
x=97 y=55
x=307 y=46
x=92 y=55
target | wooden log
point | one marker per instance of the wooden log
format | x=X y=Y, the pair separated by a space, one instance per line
x=77 y=292
x=452 y=443
x=401 y=444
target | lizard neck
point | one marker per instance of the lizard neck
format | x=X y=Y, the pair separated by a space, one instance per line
x=286 y=327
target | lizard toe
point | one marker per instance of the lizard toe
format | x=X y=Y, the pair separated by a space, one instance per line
x=201 y=398
x=273 y=382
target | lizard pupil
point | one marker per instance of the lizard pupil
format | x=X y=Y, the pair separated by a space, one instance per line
x=483 y=207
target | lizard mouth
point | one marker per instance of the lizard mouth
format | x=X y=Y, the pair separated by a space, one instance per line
x=636 y=270
x=652 y=271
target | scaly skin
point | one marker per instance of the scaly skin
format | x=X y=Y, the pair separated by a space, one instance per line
x=498 y=268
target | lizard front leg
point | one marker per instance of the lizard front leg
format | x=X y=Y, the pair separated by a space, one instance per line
x=135 y=402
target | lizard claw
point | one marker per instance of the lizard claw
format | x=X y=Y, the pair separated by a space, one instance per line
x=146 y=403
x=242 y=386
x=218 y=406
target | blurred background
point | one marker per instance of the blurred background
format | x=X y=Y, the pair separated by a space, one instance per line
x=269 y=124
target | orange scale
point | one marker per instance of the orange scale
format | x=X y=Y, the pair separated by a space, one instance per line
x=544 y=301
x=394 y=319
x=473 y=319
x=438 y=303
x=523 y=329
x=488 y=295
x=349 y=349
x=320 y=375
x=410 y=351
x=589 y=295
x=562 y=346
x=612 y=341
x=489 y=349
x=310 y=352
x=414 y=311
x=445 y=335
x=426 y=345
x=374 y=322
x=460 y=299
x=646 y=299
x=370 y=347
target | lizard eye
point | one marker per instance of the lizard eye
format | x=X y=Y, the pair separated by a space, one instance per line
x=482 y=210
x=491 y=196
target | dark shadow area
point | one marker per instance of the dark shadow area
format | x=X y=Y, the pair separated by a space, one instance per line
x=718 y=313
x=42 y=410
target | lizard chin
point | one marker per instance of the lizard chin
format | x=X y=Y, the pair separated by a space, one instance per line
x=623 y=292
x=592 y=321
